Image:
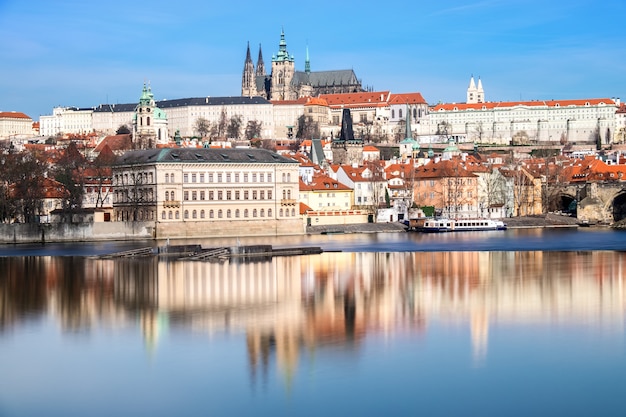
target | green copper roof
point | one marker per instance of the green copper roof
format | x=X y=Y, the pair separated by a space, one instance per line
x=283 y=55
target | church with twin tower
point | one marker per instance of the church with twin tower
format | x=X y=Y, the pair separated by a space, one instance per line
x=284 y=82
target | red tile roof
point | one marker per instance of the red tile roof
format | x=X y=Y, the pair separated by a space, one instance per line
x=356 y=100
x=116 y=143
x=509 y=104
x=13 y=115
x=407 y=98
x=322 y=182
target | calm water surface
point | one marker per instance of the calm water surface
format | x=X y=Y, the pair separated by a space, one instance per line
x=397 y=324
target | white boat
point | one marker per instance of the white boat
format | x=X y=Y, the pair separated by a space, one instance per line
x=432 y=225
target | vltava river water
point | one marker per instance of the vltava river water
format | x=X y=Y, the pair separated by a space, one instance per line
x=480 y=332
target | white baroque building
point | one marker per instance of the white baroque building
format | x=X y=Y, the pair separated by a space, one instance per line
x=66 y=120
x=206 y=192
x=14 y=125
x=547 y=121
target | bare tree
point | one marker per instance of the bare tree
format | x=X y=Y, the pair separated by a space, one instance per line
x=307 y=128
x=234 y=127
x=253 y=129
x=222 y=124
x=22 y=175
x=202 y=126
x=69 y=171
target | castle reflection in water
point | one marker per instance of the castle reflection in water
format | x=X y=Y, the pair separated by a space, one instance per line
x=288 y=306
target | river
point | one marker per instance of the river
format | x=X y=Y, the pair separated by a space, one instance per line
x=516 y=323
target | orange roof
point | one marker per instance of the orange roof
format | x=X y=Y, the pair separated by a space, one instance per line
x=323 y=182
x=301 y=100
x=442 y=169
x=355 y=100
x=316 y=101
x=370 y=148
x=13 y=115
x=407 y=98
x=116 y=143
x=304 y=208
x=537 y=103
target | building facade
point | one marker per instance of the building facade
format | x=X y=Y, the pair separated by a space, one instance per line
x=66 y=120
x=15 y=125
x=207 y=192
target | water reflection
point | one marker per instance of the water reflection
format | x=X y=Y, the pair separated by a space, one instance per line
x=292 y=306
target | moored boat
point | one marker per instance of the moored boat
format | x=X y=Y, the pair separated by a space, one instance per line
x=432 y=225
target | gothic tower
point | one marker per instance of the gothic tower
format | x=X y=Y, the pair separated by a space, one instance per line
x=283 y=69
x=260 y=65
x=248 y=81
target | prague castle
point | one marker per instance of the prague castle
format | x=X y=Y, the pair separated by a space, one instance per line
x=285 y=83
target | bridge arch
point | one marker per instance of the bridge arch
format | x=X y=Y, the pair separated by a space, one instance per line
x=618 y=206
x=566 y=203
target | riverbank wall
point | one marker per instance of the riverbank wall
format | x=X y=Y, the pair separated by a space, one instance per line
x=128 y=231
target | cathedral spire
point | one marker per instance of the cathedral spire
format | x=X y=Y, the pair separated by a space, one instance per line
x=248 y=85
x=260 y=65
x=282 y=55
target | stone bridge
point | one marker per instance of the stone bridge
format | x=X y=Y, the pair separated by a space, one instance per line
x=595 y=202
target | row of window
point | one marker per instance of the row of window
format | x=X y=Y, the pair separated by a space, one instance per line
x=221 y=177
x=230 y=195
x=195 y=214
x=134 y=178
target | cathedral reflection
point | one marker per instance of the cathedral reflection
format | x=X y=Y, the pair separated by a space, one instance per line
x=290 y=307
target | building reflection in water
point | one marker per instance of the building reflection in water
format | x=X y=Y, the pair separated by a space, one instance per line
x=292 y=306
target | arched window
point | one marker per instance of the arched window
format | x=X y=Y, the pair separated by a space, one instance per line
x=194 y=214
x=228 y=214
x=172 y=195
x=284 y=176
x=281 y=213
x=237 y=213
x=286 y=212
x=269 y=212
x=211 y=214
x=288 y=177
x=163 y=215
x=172 y=177
x=202 y=214
x=245 y=213
x=400 y=113
x=169 y=215
x=293 y=212
x=167 y=177
x=254 y=213
x=219 y=214
x=167 y=195
x=147 y=121
x=177 y=214
x=262 y=213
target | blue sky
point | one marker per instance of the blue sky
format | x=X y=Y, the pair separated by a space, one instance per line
x=84 y=53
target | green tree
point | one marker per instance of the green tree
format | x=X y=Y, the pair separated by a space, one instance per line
x=123 y=130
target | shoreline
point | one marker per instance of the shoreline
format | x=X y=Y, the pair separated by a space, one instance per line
x=527 y=222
